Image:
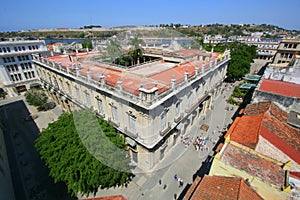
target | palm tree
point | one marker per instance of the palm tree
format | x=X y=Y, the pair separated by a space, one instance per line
x=114 y=49
x=136 y=52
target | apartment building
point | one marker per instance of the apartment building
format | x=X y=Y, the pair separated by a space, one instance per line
x=152 y=104
x=17 y=72
x=286 y=51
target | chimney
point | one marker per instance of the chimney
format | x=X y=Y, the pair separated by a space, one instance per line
x=77 y=71
x=68 y=69
x=196 y=71
x=102 y=79
x=60 y=66
x=120 y=84
x=186 y=75
x=89 y=75
x=173 y=83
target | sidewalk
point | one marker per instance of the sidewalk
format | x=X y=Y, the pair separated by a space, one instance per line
x=185 y=162
x=44 y=117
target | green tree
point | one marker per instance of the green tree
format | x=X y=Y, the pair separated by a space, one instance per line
x=241 y=57
x=36 y=98
x=136 y=52
x=114 y=49
x=75 y=152
x=87 y=43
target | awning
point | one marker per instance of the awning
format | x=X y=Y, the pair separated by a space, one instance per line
x=130 y=141
x=35 y=85
x=247 y=86
x=253 y=78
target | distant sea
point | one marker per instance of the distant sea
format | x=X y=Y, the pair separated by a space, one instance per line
x=69 y=41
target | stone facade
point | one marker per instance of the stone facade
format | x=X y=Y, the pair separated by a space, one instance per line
x=151 y=121
x=17 y=72
x=6 y=189
x=286 y=51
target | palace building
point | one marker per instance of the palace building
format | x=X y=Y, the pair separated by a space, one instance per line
x=152 y=104
x=17 y=72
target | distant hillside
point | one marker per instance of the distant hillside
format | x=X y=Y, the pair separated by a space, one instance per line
x=270 y=31
x=236 y=29
x=58 y=34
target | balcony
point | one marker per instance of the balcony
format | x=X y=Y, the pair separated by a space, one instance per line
x=166 y=130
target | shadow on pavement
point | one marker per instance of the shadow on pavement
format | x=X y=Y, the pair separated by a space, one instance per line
x=184 y=191
x=29 y=174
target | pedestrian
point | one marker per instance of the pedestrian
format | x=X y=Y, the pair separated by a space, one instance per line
x=195 y=144
x=175 y=177
x=180 y=183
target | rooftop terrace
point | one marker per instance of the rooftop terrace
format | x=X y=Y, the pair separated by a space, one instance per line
x=157 y=75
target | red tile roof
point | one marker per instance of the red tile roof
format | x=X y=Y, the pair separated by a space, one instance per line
x=280 y=87
x=256 y=108
x=116 y=197
x=160 y=75
x=245 y=130
x=295 y=175
x=269 y=121
x=220 y=187
x=254 y=164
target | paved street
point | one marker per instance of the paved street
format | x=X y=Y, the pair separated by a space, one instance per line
x=186 y=162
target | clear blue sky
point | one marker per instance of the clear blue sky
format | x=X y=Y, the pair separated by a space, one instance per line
x=31 y=14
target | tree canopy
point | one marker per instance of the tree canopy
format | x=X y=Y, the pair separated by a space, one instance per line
x=77 y=149
x=36 y=98
x=87 y=43
x=242 y=56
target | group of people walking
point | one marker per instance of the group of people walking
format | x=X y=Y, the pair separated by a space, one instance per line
x=200 y=143
x=180 y=181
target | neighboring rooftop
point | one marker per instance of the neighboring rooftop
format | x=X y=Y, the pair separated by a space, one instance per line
x=287 y=72
x=280 y=88
x=116 y=197
x=266 y=119
x=245 y=130
x=221 y=187
x=253 y=164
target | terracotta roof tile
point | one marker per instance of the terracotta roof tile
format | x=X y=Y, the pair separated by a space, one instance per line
x=254 y=165
x=131 y=81
x=269 y=121
x=295 y=175
x=245 y=130
x=221 y=187
x=281 y=135
x=280 y=87
x=116 y=197
x=257 y=108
